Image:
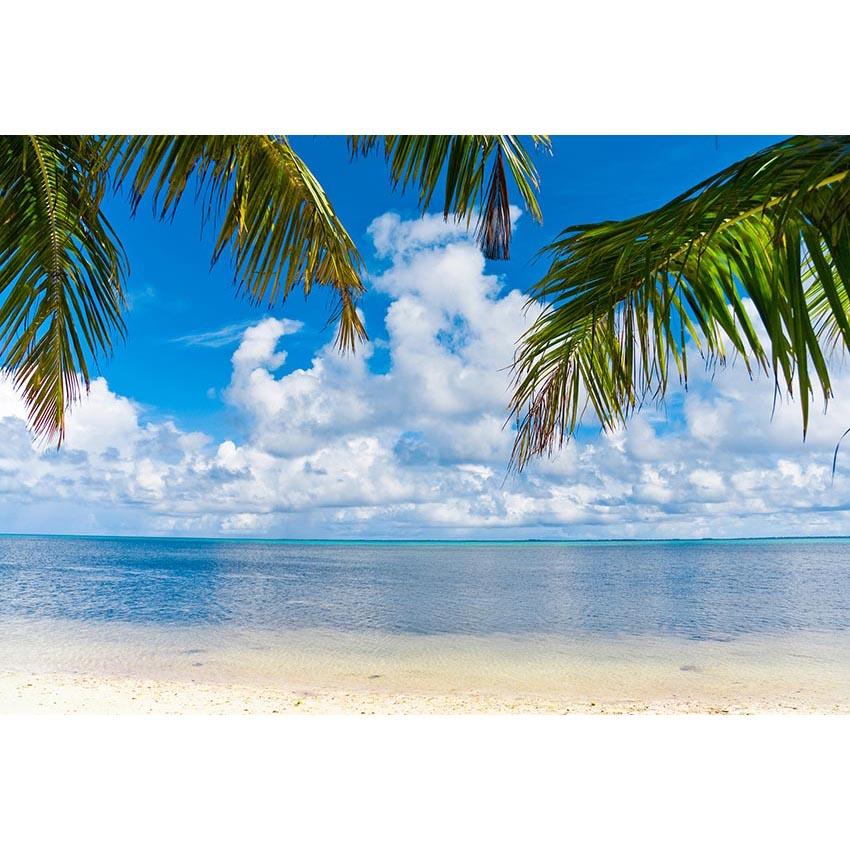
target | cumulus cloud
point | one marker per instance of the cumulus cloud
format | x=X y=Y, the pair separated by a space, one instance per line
x=419 y=448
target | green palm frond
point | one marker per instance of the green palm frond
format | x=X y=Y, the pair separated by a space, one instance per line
x=754 y=261
x=275 y=220
x=461 y=162
x=61 y=271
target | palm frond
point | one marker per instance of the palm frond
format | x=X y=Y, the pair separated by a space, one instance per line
x=754 y=261
x=461 y=162
x=275 y=220
x=61 y=272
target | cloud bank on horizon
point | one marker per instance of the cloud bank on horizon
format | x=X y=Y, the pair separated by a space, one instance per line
x=420 y=450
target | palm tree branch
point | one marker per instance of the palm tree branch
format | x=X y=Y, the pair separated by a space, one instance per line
x=764 y=243
x=61 y=272
x=276 y=222
x=461 y=163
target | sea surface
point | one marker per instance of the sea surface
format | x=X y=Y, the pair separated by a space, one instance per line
x=261 y=610
x=697 y=590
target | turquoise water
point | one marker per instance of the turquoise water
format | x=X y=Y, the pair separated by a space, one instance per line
x=706 y=590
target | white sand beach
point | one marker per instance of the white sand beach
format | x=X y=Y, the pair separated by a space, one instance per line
x=85 y=694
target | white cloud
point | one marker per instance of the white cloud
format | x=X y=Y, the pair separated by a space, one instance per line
x=336 y=449
x=105 y=421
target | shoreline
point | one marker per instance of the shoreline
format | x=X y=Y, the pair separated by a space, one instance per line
x=72 y=668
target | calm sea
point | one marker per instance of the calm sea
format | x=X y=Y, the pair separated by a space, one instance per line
x=694 y=590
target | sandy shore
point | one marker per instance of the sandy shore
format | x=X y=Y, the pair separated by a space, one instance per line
x=57 y=693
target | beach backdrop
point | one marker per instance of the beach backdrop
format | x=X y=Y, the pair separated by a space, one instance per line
x=144 y=624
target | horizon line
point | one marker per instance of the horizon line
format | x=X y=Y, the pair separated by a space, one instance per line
x=427 y=540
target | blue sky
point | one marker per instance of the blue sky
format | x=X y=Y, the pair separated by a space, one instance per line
x=174 y=293
x=216 y=418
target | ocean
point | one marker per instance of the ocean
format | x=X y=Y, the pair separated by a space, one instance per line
x=524 y=615
x=705 y=590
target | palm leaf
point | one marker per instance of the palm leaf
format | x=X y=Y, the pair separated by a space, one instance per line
x=61 y=272
x=461 y=163
x=754 y=261
x=275 y=221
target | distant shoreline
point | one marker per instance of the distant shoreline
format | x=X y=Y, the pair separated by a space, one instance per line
x=404 y=541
